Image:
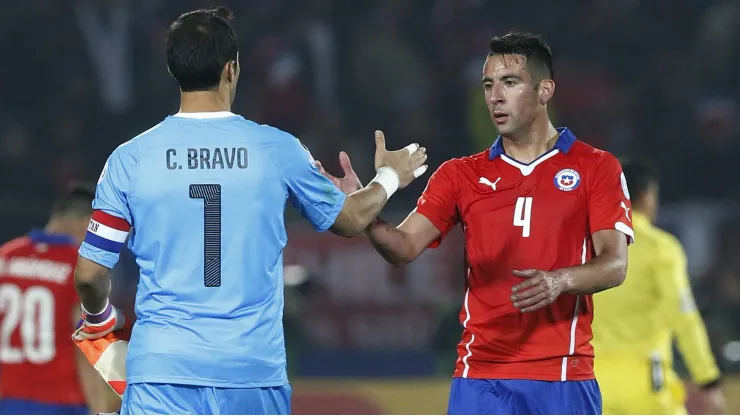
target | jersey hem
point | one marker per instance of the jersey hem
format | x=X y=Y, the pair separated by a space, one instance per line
x=206 y=382
x=528 y=376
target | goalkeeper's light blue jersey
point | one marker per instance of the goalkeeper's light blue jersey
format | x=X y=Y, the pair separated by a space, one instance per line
x=204 y=196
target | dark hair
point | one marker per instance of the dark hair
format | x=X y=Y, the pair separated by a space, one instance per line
x=77 y=200
x=639 y=177
x=199 y=45
x=532 y=47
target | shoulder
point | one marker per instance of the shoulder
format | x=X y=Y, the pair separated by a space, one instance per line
x=279 y=141
x=668 y=243
x=593 y=157
x=665 y=246
x=63 y=253
x=266 y=132
x=128 y=151
x=463 y=164
x=14 y=245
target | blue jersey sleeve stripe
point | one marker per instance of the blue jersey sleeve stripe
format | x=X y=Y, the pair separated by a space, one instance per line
x=102 y=243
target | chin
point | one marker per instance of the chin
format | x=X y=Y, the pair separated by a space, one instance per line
x=504 y=129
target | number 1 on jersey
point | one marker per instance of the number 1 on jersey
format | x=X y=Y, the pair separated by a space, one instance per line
x=211 y=196
x=523 y=214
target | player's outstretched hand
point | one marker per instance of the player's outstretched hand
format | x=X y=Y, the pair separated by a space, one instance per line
x=408 y=163
x=100 y=325
x=347 y=184
x=538 y=290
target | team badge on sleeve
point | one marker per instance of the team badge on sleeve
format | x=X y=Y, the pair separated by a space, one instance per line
x=567 y=180
x=107 y=232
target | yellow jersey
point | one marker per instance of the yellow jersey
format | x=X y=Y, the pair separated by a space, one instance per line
x=634 y=326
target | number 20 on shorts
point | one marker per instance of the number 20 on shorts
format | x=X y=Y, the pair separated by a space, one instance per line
x=523 y=214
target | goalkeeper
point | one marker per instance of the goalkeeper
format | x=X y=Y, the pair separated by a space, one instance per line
x=201 y=199
x=635 y=324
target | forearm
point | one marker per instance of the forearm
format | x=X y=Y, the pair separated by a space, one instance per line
x=601 y=273
x=360 y=209
x=693 y=343
x=93 y=286
x=390 y=242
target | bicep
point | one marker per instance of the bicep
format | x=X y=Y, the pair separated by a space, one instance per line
x=419 y=231
x=609 y=203
x=610 y=242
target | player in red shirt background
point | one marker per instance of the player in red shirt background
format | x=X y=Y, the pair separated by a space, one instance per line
x=546 y=220
x=41 y=369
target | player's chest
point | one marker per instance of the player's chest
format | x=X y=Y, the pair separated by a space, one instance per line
x=550 y=197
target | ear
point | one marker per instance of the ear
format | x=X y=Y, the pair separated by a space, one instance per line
x=546 y=90
x=230 y=71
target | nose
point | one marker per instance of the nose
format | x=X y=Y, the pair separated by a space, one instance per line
x=497 y=94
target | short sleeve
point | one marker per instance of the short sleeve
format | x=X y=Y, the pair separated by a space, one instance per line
x=438 y=202
x=313 y=195
x=111 y=220
x=609 y=206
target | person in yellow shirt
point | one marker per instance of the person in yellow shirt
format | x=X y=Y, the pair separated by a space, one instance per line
x=636 y=323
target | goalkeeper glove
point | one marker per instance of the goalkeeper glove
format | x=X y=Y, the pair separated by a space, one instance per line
x=93 y=326
x=108 y=356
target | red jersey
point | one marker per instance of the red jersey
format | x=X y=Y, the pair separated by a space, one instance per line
x=535 y=216
x=37 y=301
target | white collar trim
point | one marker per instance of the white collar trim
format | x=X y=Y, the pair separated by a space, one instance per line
x=209 y=114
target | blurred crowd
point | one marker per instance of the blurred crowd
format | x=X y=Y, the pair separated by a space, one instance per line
x=652 y=79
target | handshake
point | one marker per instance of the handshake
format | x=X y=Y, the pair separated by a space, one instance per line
x=395 y=169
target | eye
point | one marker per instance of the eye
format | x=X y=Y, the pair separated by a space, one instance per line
x=509 y=82
x=487 y=86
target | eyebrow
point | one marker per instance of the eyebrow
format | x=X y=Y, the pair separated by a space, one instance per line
x=503 y=78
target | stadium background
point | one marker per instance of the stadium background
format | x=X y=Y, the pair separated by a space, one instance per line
x=651 y=79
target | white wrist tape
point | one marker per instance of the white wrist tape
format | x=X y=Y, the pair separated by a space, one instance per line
x=388 y=179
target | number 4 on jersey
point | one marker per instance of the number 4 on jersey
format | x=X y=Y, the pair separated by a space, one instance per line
x=523 y=214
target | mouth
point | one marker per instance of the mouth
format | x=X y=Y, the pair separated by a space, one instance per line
x=499 y=117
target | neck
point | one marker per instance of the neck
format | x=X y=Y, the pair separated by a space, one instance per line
x=532 y=143
x=57 y=226
x=204 y=102
x=643 y=213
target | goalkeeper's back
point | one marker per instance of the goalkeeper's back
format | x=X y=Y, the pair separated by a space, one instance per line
x=204 y=194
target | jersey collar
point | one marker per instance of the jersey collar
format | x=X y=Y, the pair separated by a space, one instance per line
x=41 y=236
x=564 y=143
x=204 y=115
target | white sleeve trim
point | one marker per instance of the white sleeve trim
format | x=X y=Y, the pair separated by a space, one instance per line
x=626 y=229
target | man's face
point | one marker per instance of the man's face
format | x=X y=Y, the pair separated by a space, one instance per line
x=511 y=94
